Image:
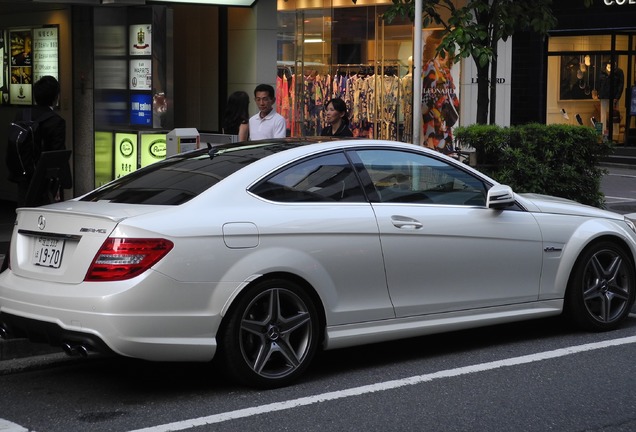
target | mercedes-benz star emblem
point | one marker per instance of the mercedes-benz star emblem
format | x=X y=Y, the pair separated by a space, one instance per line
x=41 y=222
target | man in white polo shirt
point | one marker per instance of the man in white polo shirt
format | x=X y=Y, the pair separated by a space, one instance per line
x=267 y=123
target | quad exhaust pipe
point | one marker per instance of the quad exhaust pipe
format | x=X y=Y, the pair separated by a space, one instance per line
x=75 y=350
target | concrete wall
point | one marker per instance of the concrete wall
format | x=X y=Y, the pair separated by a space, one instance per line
x=252 y=47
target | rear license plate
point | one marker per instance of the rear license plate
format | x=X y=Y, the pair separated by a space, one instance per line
x=48 y=252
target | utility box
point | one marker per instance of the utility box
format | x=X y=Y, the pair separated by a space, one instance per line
x=181 y=140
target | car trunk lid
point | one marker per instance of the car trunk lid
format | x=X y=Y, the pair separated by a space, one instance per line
x=58 y=243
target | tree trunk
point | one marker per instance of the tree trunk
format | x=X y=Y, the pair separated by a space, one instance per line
x=482 y=93
x=493 y=85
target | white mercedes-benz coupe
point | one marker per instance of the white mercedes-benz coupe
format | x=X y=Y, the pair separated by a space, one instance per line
x=261 y=253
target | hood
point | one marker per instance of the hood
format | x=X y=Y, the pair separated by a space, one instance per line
x=556 y=205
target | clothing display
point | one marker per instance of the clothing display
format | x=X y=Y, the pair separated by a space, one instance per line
x=374 y=101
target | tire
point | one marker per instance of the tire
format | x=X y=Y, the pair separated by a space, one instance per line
x=271 y=335
x=602 y=287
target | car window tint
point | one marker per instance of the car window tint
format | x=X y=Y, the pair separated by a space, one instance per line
x=179 y=179
x=408 y=177
x=326 y=178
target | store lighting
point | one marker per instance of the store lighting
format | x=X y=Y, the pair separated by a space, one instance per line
x=214 y=2
x=313 y=41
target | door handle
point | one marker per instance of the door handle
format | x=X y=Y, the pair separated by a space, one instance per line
x=404 y=222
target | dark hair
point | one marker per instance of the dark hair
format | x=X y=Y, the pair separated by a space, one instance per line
x=340 y=106
x=46 y=90
x=265 y=88
x=236 y=112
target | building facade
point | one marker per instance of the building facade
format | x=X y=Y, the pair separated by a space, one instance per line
x=130 y=72
x=582 y=73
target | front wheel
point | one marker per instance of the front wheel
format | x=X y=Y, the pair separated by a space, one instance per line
x=272 y=334
x=602 y=287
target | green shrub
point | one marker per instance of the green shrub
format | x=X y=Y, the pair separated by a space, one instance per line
x=559 y=160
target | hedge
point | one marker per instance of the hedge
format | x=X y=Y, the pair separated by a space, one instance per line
x=559 y=160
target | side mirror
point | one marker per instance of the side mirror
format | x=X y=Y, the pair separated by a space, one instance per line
x=500 y=197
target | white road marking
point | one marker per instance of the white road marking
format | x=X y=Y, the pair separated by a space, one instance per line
x=621 y=175
x=383 y=386
x=626 y=199
x=7 y=426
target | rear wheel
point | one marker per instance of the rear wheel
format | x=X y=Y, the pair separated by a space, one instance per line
x=601 y=288
x=272 y=334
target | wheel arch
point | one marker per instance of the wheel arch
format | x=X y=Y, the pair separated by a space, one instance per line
x=576 y=244
x=617 y=240
x=575 y=306
x=290 y=277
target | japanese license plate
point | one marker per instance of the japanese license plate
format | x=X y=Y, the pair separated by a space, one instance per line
x=48 y=252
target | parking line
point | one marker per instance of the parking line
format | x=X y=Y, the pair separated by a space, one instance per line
x=384 y=386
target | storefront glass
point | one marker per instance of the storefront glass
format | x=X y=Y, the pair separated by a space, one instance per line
x=590 y=80
x=329 y=49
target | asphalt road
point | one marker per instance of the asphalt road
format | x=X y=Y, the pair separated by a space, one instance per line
x=532 y=376
x=619 y=187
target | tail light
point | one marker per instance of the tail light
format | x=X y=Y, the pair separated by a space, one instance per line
x=124 y=258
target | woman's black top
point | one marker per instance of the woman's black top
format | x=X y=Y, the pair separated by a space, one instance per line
x=234 y=128
x=343 y=131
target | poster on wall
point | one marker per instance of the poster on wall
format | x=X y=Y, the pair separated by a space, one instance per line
x=440 y=101
x=21 y=61
x=140 y=74
x=140 y=40
x=45 y=52
x=29 y=54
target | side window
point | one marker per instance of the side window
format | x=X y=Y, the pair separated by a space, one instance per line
x=406 y=177
x=325 y=178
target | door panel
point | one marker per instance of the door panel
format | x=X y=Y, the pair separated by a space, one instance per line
x=443 y=249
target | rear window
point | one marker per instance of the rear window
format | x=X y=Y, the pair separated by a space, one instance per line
x=181 y=178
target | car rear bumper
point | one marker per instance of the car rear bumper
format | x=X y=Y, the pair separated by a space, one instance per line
x=153 y=319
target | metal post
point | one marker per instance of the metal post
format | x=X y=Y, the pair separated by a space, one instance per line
x=417 y=73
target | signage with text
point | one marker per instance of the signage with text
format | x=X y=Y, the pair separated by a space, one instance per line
x=32 y=53
x=125 y=153
x=140 y=74
x=153 y=148
x=141 y=109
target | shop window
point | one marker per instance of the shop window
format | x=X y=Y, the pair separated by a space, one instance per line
x=345 y=51
x=588 y=83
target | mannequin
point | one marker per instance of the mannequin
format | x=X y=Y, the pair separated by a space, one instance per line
x=612 y=82
x=407 y=102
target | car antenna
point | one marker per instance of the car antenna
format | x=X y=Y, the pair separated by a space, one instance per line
x=211 y=151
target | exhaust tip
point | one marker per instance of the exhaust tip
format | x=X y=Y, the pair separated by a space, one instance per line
x=81 y=351
x=75 y=350
x=68 y=349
